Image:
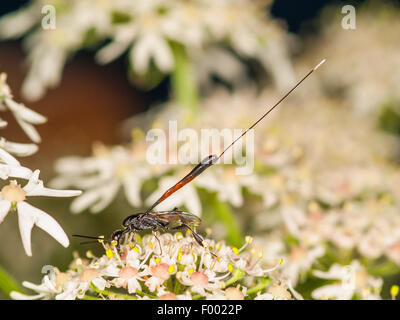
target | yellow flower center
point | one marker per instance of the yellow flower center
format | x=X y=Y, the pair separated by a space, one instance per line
x=13 y=192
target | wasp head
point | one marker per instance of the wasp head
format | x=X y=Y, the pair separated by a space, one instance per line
x=116 y=236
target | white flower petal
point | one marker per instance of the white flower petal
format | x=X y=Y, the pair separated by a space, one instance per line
x=24 y=113
x=30 y=130
x=132 y=185
x=14 y=24
x=100 y=283
x=85 y=200
x=20 y=149
x=67 y=295
x=35 y=188
x=35 y=287
x=111 y=51
x=108 y=193
x=76 y=165
x=338 y=291
x=33 y=182
x=32 y=88
x=20 y=296
x=133 y=285
x=55 y=193
x=61 y=182
x=139 y=56
x=5 y=206
x=7 y=171
x=8 y=158
x=162 y=55
x=25 y=223
x=28 y=215
x=335 y=272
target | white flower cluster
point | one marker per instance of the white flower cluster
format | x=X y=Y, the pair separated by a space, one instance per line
x=147 y=29
x=315 y=201
x=179 y=269
x=365 y=90
x=103 y=174
x=13 y=196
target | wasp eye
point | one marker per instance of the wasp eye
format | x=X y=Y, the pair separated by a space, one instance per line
x=117 y=235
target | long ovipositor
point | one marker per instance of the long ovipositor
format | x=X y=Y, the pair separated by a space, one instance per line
x=175 y=219
x=197 y=170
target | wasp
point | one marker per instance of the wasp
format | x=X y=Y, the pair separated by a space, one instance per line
x=176 y=219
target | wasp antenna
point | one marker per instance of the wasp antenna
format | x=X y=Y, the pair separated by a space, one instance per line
x=89 y=237
x=274 y=106
x=319 y=64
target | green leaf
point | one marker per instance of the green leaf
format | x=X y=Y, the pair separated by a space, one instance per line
x=7 y=284
x=148 y=80
x=119 y=17
x=389 y=120
x=225 y=214
x=183 y=80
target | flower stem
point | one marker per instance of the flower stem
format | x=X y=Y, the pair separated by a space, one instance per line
x=111 y=293
x=177 y=287
x=183 y=81
x=86 y=297
x=237 y=275
x=141 y=293
x=263 y=283
x=7 y=285
x=225 y=214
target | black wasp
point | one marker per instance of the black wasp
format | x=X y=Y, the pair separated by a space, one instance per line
x=176 y=219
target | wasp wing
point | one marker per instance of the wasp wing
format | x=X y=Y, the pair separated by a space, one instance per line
x=176 y=218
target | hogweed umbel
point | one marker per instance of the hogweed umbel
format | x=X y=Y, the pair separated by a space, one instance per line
x=184 y=270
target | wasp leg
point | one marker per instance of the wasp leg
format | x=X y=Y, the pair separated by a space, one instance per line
x=199 y=240
x=155 y=235
x=196 y=237
x=122 y=236
x=130 y=237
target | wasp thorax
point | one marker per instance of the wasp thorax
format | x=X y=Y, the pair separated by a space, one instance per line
x=128 y=220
